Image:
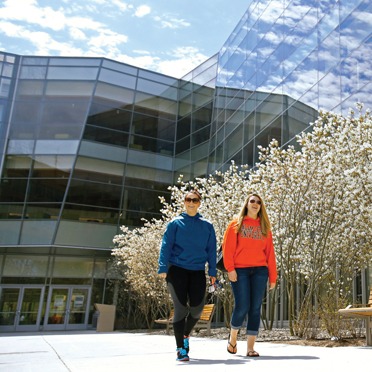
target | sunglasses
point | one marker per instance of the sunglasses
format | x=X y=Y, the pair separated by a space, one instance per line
x=252 y=201
x=194 y=200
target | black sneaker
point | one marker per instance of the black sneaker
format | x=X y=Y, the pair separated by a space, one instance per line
x=182 y=355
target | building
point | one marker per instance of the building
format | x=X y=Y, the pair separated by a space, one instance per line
x=88 y=144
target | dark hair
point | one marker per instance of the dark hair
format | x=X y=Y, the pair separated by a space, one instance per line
x=194 y=191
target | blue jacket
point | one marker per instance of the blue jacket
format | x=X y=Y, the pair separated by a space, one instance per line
x=188 y=242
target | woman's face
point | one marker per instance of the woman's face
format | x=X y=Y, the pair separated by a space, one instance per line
x=254 y=206
x=192 y=203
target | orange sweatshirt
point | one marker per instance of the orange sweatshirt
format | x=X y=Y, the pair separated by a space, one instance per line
x=249 y=248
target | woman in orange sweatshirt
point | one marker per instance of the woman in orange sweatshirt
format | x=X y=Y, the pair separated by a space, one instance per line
x=249 y=258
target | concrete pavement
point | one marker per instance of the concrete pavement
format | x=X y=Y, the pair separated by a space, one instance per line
x=120 y=351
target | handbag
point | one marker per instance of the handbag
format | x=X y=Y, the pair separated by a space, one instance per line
x=220 y=266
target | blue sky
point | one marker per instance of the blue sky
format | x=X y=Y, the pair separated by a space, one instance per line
x=168 y=36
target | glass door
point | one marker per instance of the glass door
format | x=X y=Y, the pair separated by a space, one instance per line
x=9 y=298
x=20 y=307
x=67 y=308
x=29 y=312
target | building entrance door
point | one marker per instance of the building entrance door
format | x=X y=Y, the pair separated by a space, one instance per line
x=20 y=307
x=67 y=308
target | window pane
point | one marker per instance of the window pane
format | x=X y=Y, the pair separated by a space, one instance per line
x=108 y=117
x=52 y=166
x=99 y=170
x=91 y=193
x=17 y=166
x=29 y=266
x=72 y=267
x=47 y=190
x=72 y=73
x=117 y=78
x=33 y=72
x=84 y=213
x=70 y=89
x=102 y=135
x=12 y=190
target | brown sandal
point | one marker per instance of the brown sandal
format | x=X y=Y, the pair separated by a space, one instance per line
x=234 y=349
x=253 y=354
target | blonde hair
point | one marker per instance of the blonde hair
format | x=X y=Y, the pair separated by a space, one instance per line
x=262 y=214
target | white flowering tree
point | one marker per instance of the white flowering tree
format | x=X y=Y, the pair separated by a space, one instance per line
x=319 y=200
x=318 y=196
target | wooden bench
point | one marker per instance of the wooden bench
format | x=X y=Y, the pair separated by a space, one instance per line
x=204 y=321
x=364 y=312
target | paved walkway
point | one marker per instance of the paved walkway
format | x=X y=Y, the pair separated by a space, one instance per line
x=119 y=351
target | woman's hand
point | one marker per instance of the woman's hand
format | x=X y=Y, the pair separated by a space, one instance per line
x=233 y=276
x=163 y=275
x=212 y=280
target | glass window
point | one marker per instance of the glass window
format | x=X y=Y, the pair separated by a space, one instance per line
x=183 y=145
x=134 y=218
x=155 y=106
x=100 y=269
x=93 y=193
x=8 y=70
x=151 y=144
x=47 y=190
x=38 y=232
x=109 y=117
x=27 y=112
x=117 y=78
x=183 y=127
x=58 y=112
x=52 y=166
x=56 y=147
x=43 y=211
x=233 y=143
x=33 y=72
x=28 y=89
x=247 y=154
x=156 y=89
x=157 y=77
x=148 y=174
x=20 y=146
x=72 y=73
x=11 y=211
x=141 y=200
x=27 y=266
x=115 y=94
x=200 y=136
x=85 y=234
x=70 y=89
x=249 y=125
x=112 y=137
x=84 y=213
x=17 y=166
x=99 y=170
x=72 y=267
x=201 y=118
x=153 y=127
x=9 y=232
x=4 y=87
x=74 y=61
x=12 y=190
x=34 y=61
x=119 y=67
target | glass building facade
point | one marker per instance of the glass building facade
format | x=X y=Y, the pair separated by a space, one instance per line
x=88 y=144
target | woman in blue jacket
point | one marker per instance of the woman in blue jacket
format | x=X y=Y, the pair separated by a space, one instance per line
x=189 y=242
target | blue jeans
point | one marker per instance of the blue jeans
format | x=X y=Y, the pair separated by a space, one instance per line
x=248 y=293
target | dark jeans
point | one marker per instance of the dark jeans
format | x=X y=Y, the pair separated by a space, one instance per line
x=248 y=293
